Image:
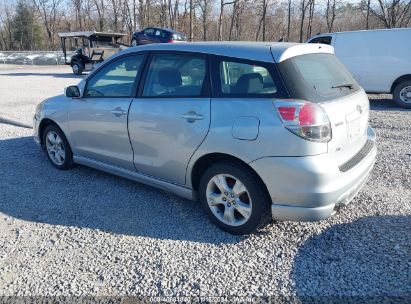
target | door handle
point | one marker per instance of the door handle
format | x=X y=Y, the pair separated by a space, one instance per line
x=192 y=116
x=118 y=112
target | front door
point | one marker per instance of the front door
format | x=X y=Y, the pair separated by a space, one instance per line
x=172 y=117
x=98 y=120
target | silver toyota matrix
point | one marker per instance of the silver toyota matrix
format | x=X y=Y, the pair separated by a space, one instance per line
x=251 y=130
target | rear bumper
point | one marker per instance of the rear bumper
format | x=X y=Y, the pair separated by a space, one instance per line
x=312 y=188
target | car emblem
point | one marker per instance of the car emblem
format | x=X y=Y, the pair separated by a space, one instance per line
x=359 y=109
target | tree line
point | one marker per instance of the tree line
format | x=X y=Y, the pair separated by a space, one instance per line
x=34 y=24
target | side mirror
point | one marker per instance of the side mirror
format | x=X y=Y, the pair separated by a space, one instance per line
x=72 y=91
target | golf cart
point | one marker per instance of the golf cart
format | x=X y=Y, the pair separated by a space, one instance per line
x=90 y=48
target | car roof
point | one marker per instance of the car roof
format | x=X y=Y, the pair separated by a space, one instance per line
x=164 y=29
x=261 y=51
x=89 y=34
x=362 y=31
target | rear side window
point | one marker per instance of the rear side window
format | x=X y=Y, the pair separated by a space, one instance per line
x=317 y=77
x=160 y=33
x=244 y=78
x=175 y=75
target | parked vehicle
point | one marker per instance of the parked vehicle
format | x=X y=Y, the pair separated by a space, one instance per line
x=90 y=48
x=248 y=129
x=157 y=35
x=378 y=59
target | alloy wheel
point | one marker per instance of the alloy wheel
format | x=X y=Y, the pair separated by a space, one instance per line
x=55 y=148
x=229 y=199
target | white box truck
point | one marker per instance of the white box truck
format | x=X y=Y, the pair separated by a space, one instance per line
x=380 y=60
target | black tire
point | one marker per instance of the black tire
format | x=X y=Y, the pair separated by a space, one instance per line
x=397 y=97
x=68 y=158
x=77 y=68
x=256 y=190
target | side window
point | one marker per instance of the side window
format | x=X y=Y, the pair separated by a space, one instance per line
x=242 y=79
x=323 y=40
x=149 y=31
x=172 y=75
x=160 y=33
x=115 y=80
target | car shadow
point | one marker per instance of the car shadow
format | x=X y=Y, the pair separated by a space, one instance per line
x=31 y=189
x=374 y=269
x=57 y=75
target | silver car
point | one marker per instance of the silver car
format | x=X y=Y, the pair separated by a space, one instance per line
x=251 y=130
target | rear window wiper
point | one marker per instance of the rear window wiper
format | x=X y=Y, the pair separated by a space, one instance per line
x=346 y=85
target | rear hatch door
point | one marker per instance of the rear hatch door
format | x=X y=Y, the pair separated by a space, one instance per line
x=321 y=78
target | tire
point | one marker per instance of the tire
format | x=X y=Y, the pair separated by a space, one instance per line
x=252 y=200
x=57 y=148
x=402 y=94
x=134 y=42
x=77 y=69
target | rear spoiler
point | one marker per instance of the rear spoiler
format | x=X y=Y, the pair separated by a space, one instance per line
x=301 y=49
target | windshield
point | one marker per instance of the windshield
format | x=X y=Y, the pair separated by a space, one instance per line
x=317 y=77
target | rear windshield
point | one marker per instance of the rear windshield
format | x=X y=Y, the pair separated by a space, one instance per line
x=317 y=77
x=179 y=37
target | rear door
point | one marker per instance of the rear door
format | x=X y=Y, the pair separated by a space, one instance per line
x=171 y=116
x=322 y=79
x=147 y=36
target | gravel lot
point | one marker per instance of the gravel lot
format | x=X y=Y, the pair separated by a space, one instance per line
x=83 y=232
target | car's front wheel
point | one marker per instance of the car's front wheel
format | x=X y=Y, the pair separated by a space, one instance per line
x=402 y=94
x=57 y=148
x=233 y=197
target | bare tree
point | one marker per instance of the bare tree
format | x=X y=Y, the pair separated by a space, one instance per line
x=48 y=10
x=262 y=22
x=395 y=13
x=221 y=16
x=311 y=7
x=100 y=7
x=367 y=18
x=191 y=20
x=289 y=20
x=205 y=8
x=303 y=9
x=330 y=13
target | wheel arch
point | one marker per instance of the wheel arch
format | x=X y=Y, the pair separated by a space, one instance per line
x=205 y=161
x=42 y=126
x=399 y=80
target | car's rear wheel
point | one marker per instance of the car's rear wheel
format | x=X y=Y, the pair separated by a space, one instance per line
x=77 y=69
x=57 y=148
x=402 y=94
x=233 y=197
x=134 y=42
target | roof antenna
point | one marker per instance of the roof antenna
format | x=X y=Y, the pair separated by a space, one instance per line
x=281 y=39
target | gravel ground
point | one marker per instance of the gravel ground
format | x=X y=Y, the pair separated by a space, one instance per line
x=83 y=232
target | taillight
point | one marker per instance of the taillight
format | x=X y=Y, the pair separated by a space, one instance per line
x=305 y=119
x=171 y=41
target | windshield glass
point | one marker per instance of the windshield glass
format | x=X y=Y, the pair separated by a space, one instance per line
x=317 y=77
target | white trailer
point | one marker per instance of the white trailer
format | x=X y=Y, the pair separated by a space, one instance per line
x=380 y=60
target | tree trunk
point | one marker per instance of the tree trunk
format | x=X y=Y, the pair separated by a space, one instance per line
x=191 y=20
x=289 y=20
x=220 y=21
